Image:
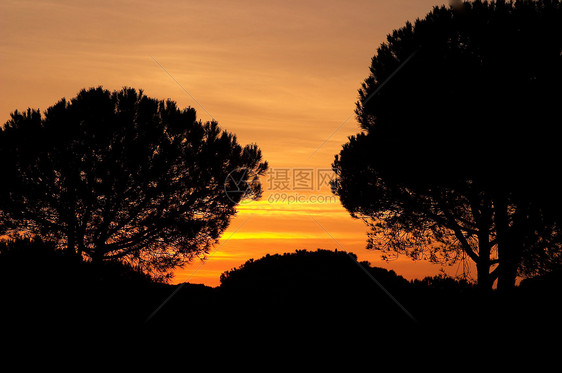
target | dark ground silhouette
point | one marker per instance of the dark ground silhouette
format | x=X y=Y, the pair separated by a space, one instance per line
x=303 y=299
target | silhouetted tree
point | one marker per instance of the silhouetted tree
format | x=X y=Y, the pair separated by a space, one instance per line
x=118 y=175
x=459 y=154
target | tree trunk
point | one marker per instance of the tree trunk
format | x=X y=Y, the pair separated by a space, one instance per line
x=481 y=211
x=483 y=264
x=511 y=254
x=508 y=267
x=97 y=255
x=70 y=243
x=507 y=250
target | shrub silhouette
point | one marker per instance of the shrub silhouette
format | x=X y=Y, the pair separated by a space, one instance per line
x=42 y=288
x=315 y=284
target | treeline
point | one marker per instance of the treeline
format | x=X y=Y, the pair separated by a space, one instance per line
x=41 y=286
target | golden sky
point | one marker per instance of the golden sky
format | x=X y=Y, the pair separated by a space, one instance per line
x=282 y=74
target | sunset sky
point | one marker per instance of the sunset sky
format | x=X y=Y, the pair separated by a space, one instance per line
x=282 y=74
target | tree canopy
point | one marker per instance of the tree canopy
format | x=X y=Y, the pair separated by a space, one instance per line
x=459 y=153
x=122 y=176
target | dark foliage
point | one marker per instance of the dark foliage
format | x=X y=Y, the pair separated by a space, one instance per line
x=293 y=303
x=121 y=176
x=460 y=144
x=304 y=268
x=304 y=282
x=45 y=291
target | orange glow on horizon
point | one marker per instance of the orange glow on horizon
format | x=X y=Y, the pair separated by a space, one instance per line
x=281 y=74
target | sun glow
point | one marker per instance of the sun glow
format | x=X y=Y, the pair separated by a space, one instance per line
x=283 y=75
